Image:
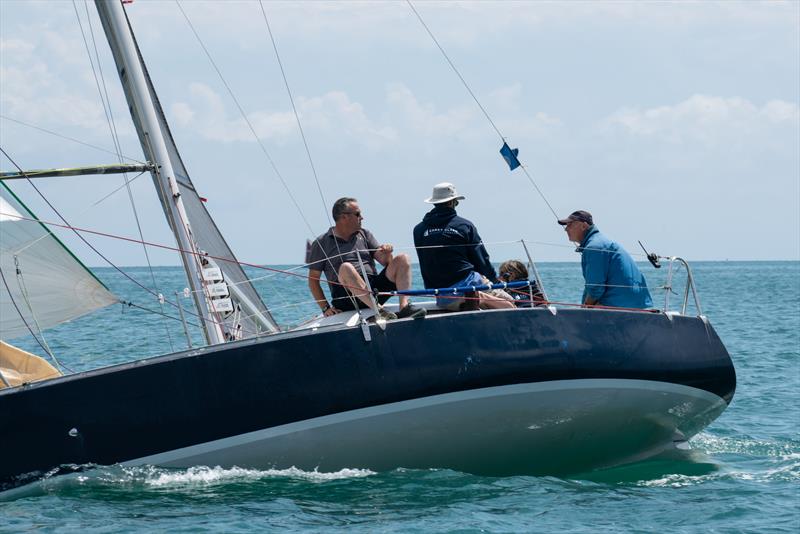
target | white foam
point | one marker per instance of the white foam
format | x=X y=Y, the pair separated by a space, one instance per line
x=741 y=445
x=202 y=475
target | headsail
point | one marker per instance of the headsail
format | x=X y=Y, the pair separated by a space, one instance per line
x=245 y=314
x=48 y=284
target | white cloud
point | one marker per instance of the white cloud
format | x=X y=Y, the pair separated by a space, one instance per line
x=332 y=114
x=424 y=119
x=334 y=117
x=182 y=113
x=46 y=80
x=710 y=120
x=18 y=48
x=454 y=23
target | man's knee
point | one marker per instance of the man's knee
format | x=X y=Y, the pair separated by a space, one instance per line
x=402 y=261
x=348 y=271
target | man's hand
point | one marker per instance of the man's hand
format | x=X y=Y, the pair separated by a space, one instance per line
x=331 y=311
x=384 y=254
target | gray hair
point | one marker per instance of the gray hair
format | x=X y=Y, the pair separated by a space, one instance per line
x=340 y=207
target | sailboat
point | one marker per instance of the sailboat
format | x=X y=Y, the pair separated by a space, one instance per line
x=541 y=390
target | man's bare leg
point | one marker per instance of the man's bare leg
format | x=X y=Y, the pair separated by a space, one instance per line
x=490 y=302
x=349 y=276
x=399 y=272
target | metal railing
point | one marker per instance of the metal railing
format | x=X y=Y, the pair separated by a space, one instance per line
x=689 y=286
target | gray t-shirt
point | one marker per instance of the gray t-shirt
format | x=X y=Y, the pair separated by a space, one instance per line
x=361 y=244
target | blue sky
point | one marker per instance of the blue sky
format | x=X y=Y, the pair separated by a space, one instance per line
x=674 y=123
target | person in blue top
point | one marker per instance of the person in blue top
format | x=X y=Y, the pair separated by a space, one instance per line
x=612 y=277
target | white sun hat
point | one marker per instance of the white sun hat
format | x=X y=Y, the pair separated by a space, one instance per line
x=444 y=192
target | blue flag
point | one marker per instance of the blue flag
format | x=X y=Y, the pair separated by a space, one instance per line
x=510 y=155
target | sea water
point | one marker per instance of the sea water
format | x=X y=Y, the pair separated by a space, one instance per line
x=742 y=473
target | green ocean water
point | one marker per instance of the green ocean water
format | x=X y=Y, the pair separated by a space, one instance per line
x=742 y=474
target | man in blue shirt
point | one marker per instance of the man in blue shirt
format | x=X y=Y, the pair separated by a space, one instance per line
x=612 y=277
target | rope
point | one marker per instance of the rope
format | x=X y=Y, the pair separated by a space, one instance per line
x=117 y=189
x=475 y=98
x=35 y=337
x=273 y=271
x=56 y=134
x=24 y=291
x=166 y=315
x=244 y=117
x=78 y=231
x=106 y=103
x=307 y=149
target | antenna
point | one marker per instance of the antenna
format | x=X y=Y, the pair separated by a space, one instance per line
x=652 y=256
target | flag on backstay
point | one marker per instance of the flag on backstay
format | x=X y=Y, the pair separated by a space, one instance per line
x=510 y=155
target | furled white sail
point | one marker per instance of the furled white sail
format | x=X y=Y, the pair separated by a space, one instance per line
x=44 y=282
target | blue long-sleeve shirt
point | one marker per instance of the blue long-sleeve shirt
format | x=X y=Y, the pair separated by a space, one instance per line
x=446 y=266
x=612 y=277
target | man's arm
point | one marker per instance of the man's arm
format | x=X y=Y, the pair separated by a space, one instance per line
x=318 y=294
x=479 y=257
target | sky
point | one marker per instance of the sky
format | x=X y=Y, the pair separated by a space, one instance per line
x=673 y=123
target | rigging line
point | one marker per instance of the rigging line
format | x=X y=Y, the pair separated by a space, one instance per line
x=112 y=123
x=166 y=315
x=23 y=289
x=296 y=114
x=44 y=236
x=463 y=81
x=77 y=230
x=77 y=233
x=244 y=116
x=538 y=190
x=273 y=271
x=56 y=134
x=14 y=302
x=115 y=138
x=475 y=98
x=94 y=73
x=118 y=188
x=303 y=136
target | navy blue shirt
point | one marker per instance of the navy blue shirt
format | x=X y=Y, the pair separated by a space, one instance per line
x=446 y=266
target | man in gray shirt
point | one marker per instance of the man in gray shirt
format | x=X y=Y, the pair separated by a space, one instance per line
x=341 y=251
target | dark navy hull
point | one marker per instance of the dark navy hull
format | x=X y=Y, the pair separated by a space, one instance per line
x=147 y=408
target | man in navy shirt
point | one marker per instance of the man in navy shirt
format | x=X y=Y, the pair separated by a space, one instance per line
x=612 y=277
x=451 y=253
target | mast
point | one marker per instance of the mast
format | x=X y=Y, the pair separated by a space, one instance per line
x=142 y=108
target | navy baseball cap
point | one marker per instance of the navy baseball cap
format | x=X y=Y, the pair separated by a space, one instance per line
x=580 y=215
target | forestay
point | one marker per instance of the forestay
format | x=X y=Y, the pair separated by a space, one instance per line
x=48 y=284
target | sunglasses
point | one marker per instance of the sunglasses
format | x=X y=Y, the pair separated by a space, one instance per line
x=356 y=213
